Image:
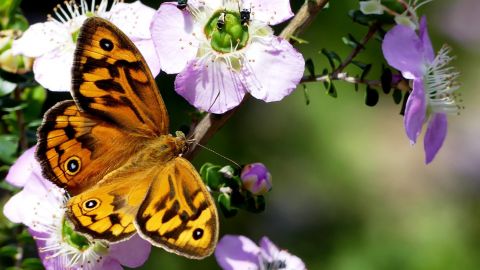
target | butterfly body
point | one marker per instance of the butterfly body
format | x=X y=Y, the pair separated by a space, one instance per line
x=111 y=150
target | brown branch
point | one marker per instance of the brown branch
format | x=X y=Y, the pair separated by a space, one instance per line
x=361 y=46
x=342 y=76
x=211 y=123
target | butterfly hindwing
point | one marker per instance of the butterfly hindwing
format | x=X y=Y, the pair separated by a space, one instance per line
x=178 y=213
x=108 y=209
x=112 y=80
x=73 y=149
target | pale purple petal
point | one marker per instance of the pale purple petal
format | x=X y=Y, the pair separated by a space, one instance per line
x=415 y=111
x=41 y=38
x=272 y=11
x=269 y=248
x=53 y=69
x=429 y=54
x=403 y=50
x=173 y=35
x=435 y=135
x=52 y=263
x=237 y=253
x=210 y=86
x=291 y=261
x=132 y=18
x=34 y=203
x=108 y=264
x=273 y=69
x=132 y=252
x=23 y=169
x=147 y=49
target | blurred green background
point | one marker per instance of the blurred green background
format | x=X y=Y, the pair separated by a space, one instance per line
x=350 y=193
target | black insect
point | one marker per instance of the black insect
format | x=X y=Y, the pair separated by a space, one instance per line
x=245 y=16
x=221 y=21
x=182 y=4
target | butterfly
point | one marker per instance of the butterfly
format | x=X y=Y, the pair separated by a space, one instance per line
x=110 y=148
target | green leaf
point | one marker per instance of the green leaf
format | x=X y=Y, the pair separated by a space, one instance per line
x=35 y=97
x=16 y=108
x=332 y=57
x=371 y=96
x=8 y=251
x=299 y=40
x=350 y=41
x=255 y=204
x=397 y=96
x=386 y=80
x=8 y=148
x=305 y=94
x=358 y=17
x=32 y=264
x=6 y=87
x=365 y=71
x=211 y=175
x=224 y=201
x=310 y=67
x=332 y=91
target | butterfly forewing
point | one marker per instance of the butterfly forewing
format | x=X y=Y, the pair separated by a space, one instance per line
x=73 y=150
x=112 y=80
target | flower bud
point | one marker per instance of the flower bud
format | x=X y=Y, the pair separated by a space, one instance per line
x=371 y=7
x=256 y=178
x=8 y=61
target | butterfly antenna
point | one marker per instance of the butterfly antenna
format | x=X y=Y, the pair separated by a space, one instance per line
x=215 y=152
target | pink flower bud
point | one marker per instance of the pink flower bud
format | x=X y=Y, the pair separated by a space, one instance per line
x=256 y=178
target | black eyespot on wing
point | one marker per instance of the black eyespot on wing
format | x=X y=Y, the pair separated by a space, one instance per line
x=72 y=165
x=91 y=204
x=106 y=44
x=197 y=234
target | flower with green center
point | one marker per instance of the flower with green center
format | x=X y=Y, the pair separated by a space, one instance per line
x=40 y=205
x=52 y=43
x=222 y=50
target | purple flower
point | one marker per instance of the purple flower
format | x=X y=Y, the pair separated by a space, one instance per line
x=256 y=178
x=236 y=252
x=55 y=39
x=434 y=83
x=221 y=55
x=40 y=205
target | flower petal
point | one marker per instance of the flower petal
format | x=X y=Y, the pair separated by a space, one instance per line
x=435 y=136
x=237 y=253
x=415 y=111
x=23 y=169
x=53 y=69
x=132 y=18
x=108 y=264
x=41 y=38
x=403 y=50
x=132 y=252
x=34 y=202
x=210 y=86
x=291 y=261
x=147 y=49
x=268 y=247
x=272 y=69
x=173 y=35
x=429 y=54
x=272 y=12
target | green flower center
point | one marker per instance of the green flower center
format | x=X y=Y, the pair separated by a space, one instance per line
x=75 y=36
x=226 y=31
x=74 y=239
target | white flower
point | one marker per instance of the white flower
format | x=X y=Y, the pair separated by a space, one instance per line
x=52 y=43
x=223 y=49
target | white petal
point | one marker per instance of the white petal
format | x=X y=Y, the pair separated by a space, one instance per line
x=272 y=69
x=210 y=86
x=173 y=35
x=147 y=49
x=41 y=38
x=53 y=70
x=271 y=11
x=132 y=18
